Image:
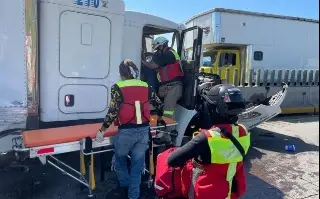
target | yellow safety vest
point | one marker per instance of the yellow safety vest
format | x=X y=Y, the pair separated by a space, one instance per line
x=222 y=150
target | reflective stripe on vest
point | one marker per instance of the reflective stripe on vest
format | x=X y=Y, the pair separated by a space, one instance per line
x=168 y=113
x=232 y=169
x=137 y=104
x=175 y=55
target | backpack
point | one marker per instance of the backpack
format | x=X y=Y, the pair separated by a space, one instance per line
x=167 y=182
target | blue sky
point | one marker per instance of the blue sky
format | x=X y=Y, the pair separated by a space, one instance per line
x=182 y=10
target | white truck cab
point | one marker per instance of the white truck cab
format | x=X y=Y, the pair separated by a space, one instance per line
x=78 y=68
x=80 y=47
x=67 y=55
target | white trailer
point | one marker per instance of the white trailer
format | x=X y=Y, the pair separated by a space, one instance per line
x=242 y=40
x=59 y=59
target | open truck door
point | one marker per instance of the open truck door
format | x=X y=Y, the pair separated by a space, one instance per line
x=190 y=64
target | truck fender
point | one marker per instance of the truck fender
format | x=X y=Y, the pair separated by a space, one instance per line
x=183 y=117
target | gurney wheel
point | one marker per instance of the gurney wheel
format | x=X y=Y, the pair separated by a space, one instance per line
x=92 y=196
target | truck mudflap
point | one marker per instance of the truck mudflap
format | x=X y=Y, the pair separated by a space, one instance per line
x=257 y=114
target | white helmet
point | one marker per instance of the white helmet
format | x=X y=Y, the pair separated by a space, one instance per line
x=159 y=41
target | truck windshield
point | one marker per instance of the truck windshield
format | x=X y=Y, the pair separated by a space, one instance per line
x=209 y=58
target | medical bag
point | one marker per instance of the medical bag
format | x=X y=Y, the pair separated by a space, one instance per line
x=167 y=182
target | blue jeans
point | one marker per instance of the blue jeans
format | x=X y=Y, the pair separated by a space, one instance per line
x=134 y=140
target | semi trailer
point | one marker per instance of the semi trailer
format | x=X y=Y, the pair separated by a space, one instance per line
x=243 y=41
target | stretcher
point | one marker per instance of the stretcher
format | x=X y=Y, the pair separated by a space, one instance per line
x=45 y=143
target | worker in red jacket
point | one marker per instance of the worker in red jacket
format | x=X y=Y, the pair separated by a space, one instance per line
x=129 y=109
x=216 y=168
x=166 y=62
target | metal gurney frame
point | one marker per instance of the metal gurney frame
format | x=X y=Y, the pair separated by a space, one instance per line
x=46 y=154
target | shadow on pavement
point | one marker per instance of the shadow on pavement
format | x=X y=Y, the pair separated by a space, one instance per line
x=257 y=187
x=46 y=182
x=271 y=141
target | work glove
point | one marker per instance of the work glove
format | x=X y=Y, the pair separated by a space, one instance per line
x=99 y=137
x=161 y=122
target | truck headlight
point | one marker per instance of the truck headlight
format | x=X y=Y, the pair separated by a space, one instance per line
x=249 y=115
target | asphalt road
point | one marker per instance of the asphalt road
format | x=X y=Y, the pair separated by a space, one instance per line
x=272 y=172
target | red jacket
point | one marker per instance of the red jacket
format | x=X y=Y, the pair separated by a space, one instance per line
x=170 y=72
x=210 y=181
x=135 y=108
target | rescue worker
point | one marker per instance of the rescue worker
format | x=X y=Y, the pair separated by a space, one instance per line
x=130 y=109
x=213 y=159
x=170 y=76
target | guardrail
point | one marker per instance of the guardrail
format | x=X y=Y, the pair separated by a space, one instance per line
x=271 y=78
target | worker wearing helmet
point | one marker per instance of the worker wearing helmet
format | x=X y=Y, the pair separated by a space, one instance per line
x=129 y=109
x=213 y=159
x=170 y=76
